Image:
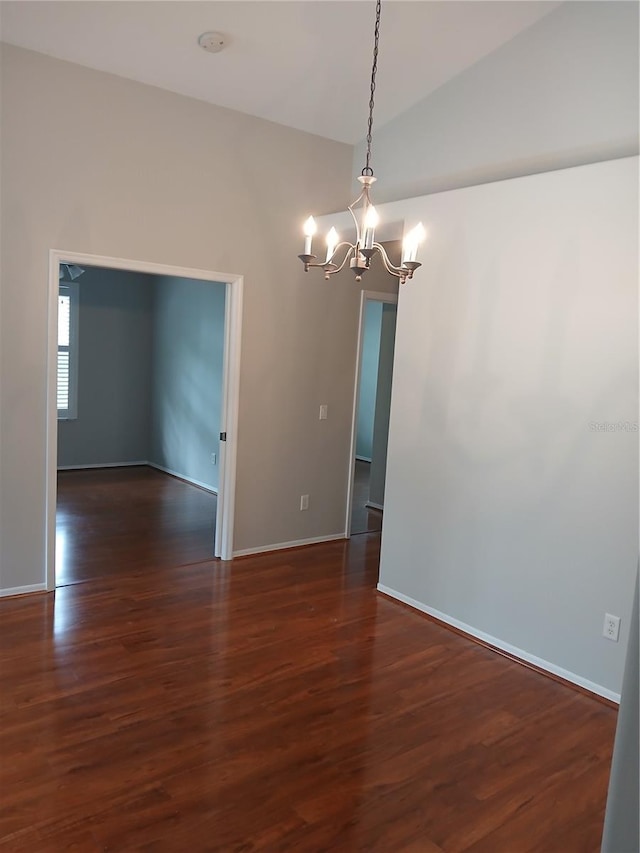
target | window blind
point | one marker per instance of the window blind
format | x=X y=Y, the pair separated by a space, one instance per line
x=67 y=310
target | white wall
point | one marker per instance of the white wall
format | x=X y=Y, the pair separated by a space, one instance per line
x=564 y=92
x=114 y=371
x=186 y=377
x=368 y=379
x=144 y=174
x=506 y=511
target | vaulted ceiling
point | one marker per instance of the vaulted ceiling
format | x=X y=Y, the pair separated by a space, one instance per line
x=300 y=63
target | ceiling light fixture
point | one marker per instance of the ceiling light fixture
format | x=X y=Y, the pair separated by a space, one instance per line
x=72 y=271
x=360 y=253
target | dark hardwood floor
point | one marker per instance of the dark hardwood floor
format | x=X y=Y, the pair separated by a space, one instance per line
x=153 y=518
x=276 y=704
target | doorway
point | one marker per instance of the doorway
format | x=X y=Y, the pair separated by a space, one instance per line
x=372 y=400
x=224 y=451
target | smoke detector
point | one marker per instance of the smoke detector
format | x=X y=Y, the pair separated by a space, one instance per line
x=213 y=42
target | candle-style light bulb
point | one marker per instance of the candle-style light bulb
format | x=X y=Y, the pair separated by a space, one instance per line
x=371 y=219
x=332 y=242
x=411 y=243
x=309 y=229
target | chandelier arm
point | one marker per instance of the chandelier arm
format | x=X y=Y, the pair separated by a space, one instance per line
x=403 y=272
x=329 y=268
x=325 y=264
x=390 y=268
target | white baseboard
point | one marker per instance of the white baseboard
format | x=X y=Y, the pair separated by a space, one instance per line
x=146 y=462
x=546 y=665
x=191 y=480
x=23 y=590
x=102 y=465
x=281 y=546
x=363 y=458
x=374 y=505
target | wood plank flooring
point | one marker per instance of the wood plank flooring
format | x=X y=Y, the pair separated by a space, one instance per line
x=153 y=518
x=279 y=704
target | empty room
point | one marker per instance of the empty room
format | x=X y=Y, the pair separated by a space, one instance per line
x=139 y=391
x=461 y=673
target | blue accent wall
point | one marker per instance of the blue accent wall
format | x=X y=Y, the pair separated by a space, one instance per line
x=187 y=370
x=368 y=379
x=114 y=371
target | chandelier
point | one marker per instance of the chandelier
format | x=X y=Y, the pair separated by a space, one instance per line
x=359 y=254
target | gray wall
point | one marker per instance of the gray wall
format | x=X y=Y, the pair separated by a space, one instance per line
x=183 y=186
x=188 y=181
x=114 y=371
x=564 y=92
x=511 y=502
x=187 y=370
x=383 y=404
x=368 y=379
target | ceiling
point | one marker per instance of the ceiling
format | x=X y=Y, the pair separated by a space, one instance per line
x=301 y=63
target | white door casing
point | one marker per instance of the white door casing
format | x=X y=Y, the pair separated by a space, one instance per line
x=223 y=546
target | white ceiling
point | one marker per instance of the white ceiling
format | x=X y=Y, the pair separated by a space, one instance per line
x=302 y=63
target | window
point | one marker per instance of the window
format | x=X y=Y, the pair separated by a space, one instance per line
x=67 y=350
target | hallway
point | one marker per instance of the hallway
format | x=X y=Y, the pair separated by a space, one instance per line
x=364 y=519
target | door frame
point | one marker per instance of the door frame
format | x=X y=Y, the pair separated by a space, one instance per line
x=365 y=296
x=225 y=512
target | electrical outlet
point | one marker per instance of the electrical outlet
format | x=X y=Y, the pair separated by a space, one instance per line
x=304 y=502
x=214 y=458
x=611 y=628
x=324 y=409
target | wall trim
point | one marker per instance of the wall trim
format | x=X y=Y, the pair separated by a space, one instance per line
x=145 y=463
x=225 y=508
x=103 y=465
x=23 y=590
x=183 y=477
x=519 y=655
x=296 y=543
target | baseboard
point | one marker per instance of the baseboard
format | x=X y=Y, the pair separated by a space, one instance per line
x=23 y=590
x=363 y=458
x=103 y=465
x=374 y=505
x=544 y=666
x=192 y=480
x=283 y=546
x=146 y=462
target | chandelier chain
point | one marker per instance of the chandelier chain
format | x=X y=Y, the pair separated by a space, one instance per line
x=367 y=169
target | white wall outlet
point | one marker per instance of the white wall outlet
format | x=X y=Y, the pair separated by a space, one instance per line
x=611 y=627
x=323 y=412
x=214 y=458
x=304 y=502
